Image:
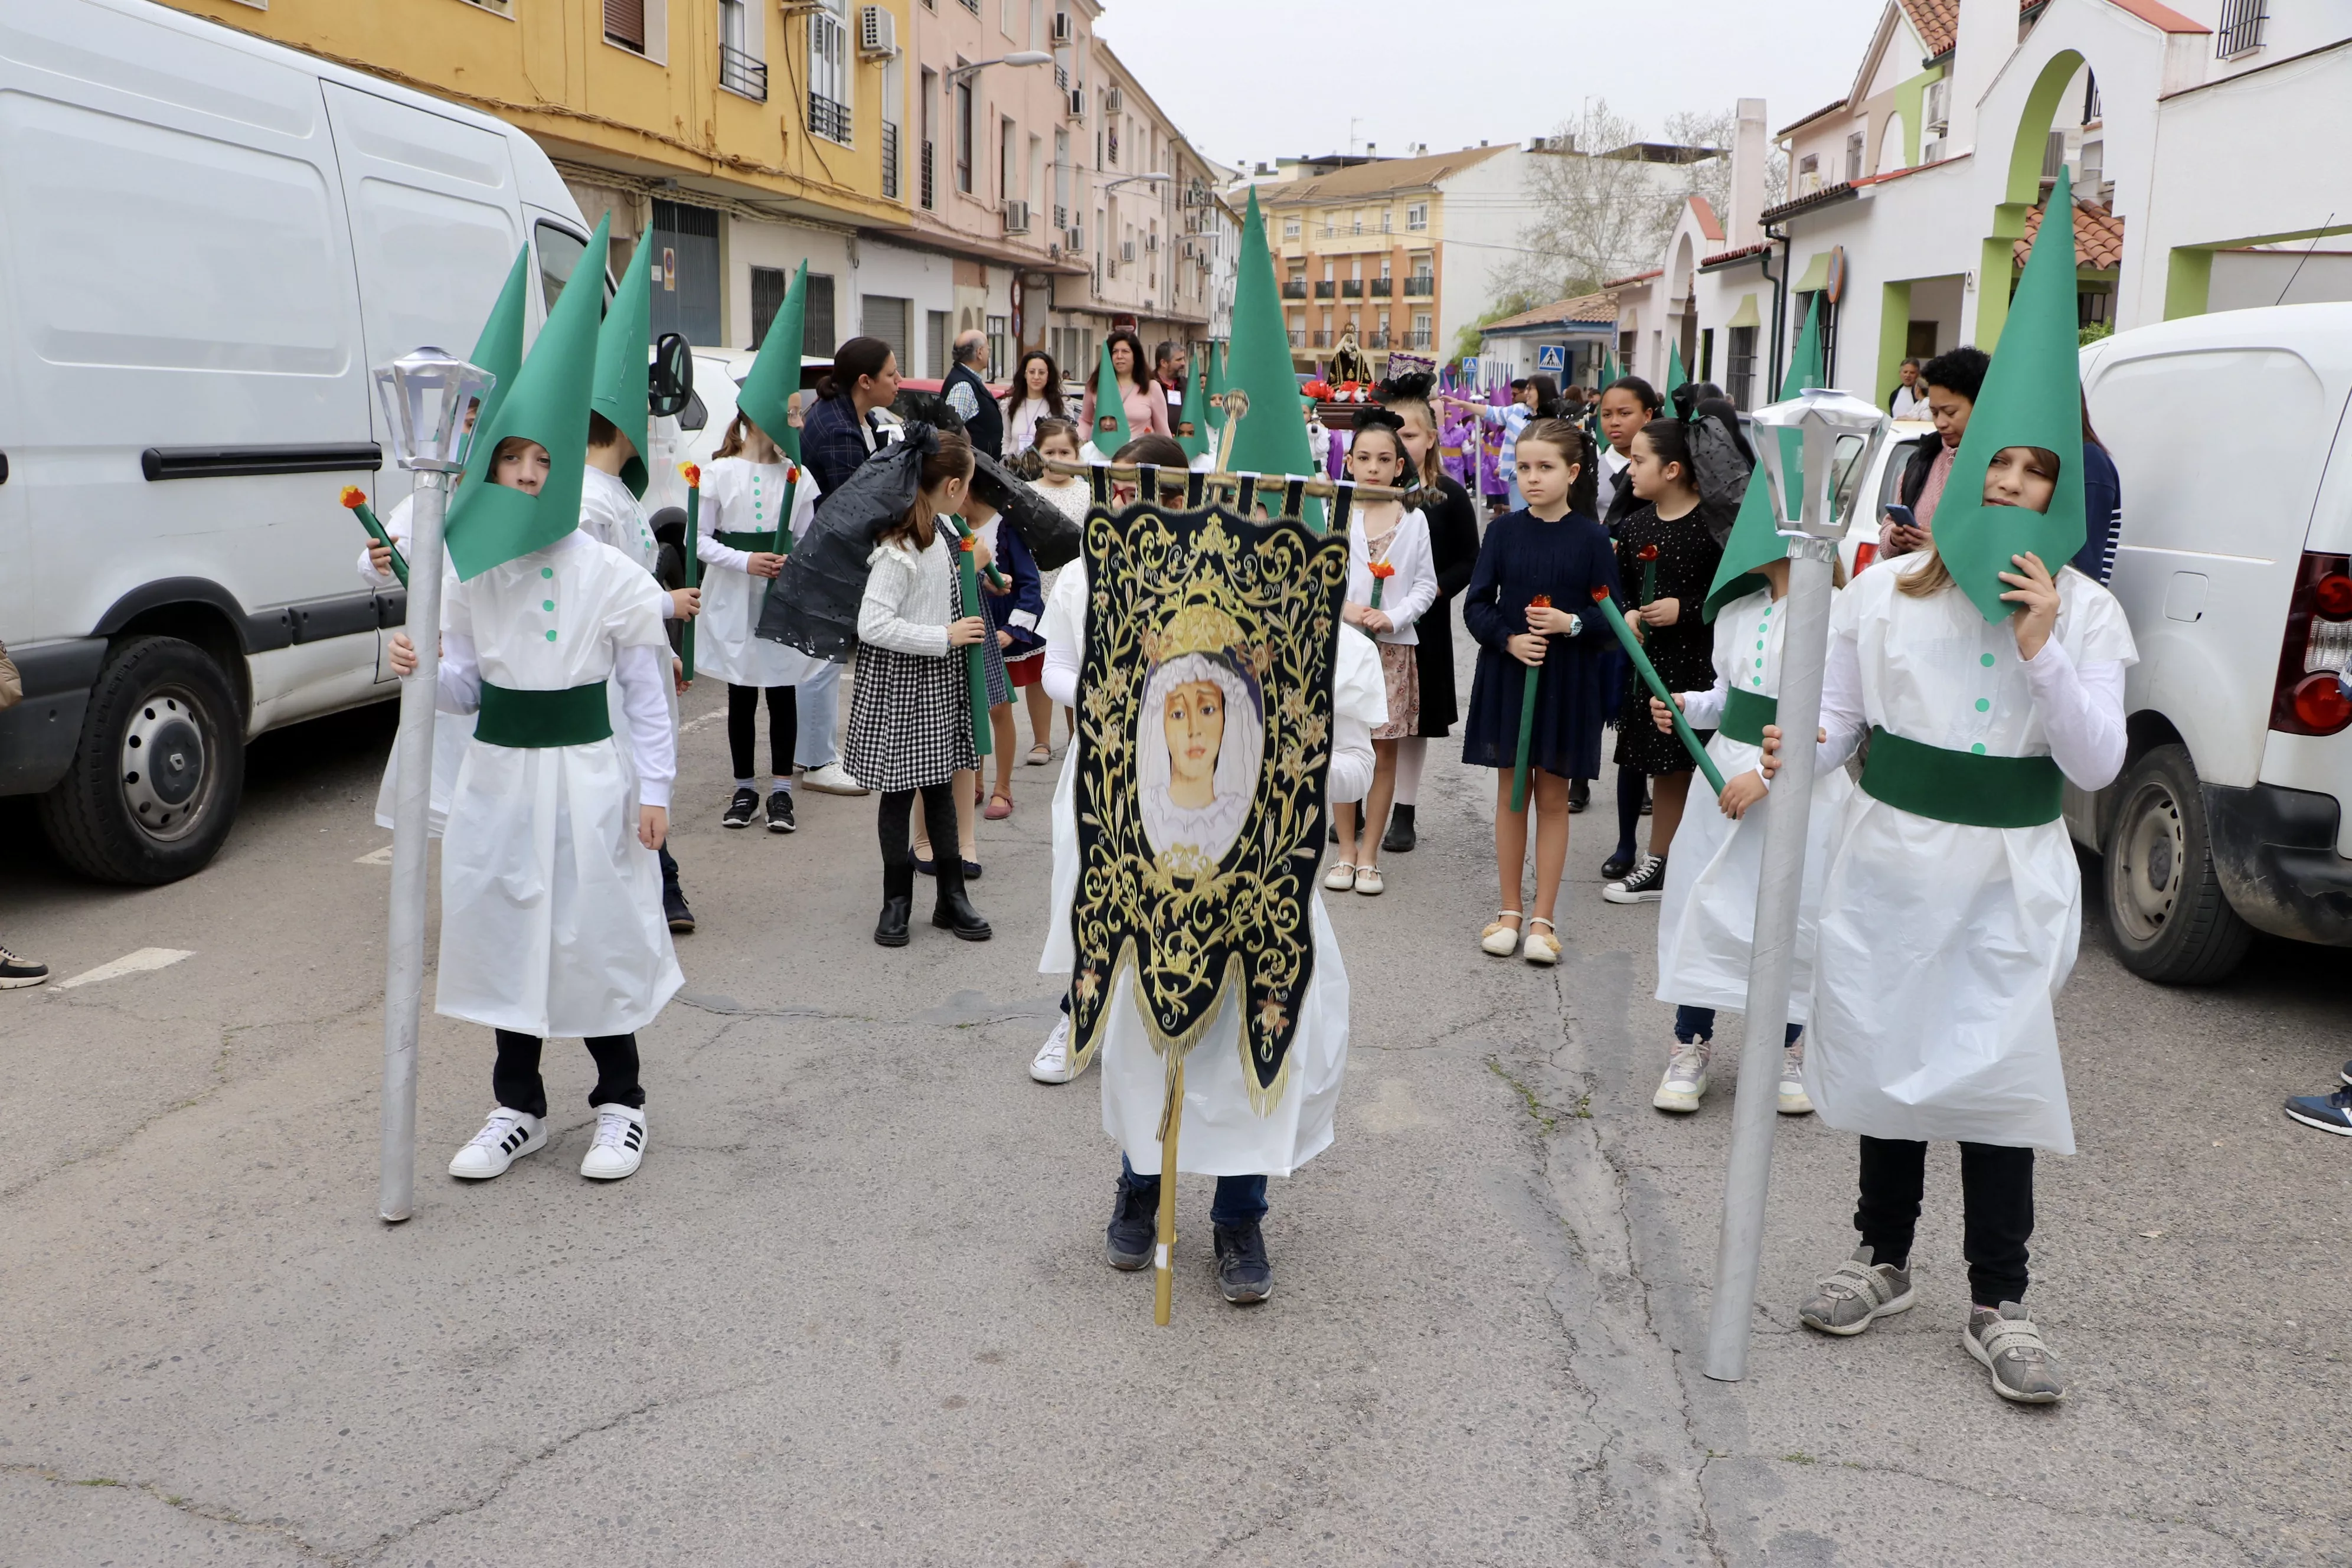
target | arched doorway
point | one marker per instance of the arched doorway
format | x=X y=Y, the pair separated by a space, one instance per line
x=2021 y=193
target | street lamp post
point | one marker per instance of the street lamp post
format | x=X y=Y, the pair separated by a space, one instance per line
x=1018 y=57
x=1820 y=417
x=430 y=400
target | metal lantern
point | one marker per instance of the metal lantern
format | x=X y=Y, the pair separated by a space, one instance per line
x=1819 y=418
x=431 y=403
x=431 y=399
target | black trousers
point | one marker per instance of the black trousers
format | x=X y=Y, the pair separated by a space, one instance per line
x=1996 y=1198
x=938 y=821
x=516 y=1080
x=783 y=728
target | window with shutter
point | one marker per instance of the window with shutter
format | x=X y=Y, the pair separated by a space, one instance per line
x=624 y=24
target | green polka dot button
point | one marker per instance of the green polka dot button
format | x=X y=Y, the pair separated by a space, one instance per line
x=546 y=604
x=1985 y=659
x=1983 y=703
x=1977 y=748
x=551 y=634
x=547 y=571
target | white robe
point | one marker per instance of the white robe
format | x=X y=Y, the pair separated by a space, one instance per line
x=1943 y=946
x=1222 y=1134
x=741 y=496
x=450 y=731
x=551 y=919
x=1706 y=921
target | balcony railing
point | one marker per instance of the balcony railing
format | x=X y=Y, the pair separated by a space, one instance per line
x=1418 y=339
x=1420 y=286
x=828 y=119
x=1352 y=288
x=1380 y=288
x=2240 y=32
x=739 y=72
x=1377 y=341
x=1322 y=339
x=929 y=191
x=1295 y=289
x=889 y=161
x=1323 y=288
x=1297 y=338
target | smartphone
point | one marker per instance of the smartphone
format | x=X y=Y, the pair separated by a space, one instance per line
x=1898 y=515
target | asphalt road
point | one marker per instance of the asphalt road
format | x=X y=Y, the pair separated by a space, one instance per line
x=853 y=1308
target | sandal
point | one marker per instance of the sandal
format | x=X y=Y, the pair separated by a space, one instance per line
x=1340 y=878
x=1499 y=939
x=1542 y=946
x=1368 y=882
x=1040 y=755
x=991 y=814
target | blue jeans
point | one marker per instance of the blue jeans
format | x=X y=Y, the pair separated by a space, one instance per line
x=1240 y=1200
x=1699 y=1024
x=819 y=699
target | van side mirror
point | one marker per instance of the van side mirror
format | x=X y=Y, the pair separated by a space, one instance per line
x=670 y=381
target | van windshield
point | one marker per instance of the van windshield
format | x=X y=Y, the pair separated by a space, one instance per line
x=559 y=256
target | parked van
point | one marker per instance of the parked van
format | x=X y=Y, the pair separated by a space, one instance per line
x=2232 y=437
x=208 y=242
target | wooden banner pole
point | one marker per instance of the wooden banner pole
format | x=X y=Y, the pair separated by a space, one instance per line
x=1163 y=1286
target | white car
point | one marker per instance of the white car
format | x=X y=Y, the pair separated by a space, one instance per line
x=2231 y=434
x=208 y=241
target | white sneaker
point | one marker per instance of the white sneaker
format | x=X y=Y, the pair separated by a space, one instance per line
x=620 y=1145
x=504 y=1137
x=1794 y=1100
x=1686 y=1079
x=1053 y=1062
x=832 y=779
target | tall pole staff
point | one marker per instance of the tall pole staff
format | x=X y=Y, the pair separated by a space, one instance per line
x=1822 y=416
x=430 y=399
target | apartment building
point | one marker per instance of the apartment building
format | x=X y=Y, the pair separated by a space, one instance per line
x=941 y=164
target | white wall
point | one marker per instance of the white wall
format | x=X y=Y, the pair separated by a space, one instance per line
x=2247 y=279
x=750 y=244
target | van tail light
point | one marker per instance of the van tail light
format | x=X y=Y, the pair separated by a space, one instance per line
x=1863 y=554
x=2310 y=696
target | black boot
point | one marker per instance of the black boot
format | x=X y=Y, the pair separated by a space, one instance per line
x=954 y=911
x=680 y=918
x=1399 y=838
x=1579 y=795
x=898 y=903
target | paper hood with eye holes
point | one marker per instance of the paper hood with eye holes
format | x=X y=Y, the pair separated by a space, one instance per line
x=2033 y=396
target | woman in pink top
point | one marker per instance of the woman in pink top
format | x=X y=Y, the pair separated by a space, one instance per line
x=1147 y=408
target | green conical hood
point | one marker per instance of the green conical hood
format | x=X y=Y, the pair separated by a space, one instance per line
x=1215 y=373
x=1756 y=532
x=1195 y=411
x=766 y=396
x=1272 y=438
x=2032 y=397
x=1676 y=375
x=624 y=362
x=1108 y=405
x=500 y=348
x=547 y=403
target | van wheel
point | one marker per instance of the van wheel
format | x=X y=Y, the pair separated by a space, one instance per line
x=2165 y=906
x=156 y=780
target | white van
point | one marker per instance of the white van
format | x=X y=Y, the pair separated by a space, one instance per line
x=2232 y=439
x=206 y=241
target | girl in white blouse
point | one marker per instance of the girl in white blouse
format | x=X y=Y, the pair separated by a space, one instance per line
x=1391 y=580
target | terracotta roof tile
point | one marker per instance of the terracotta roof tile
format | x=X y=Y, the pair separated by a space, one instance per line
x=1708 y=225
x=1937 y=22
x=2098 y=238
x=1601 y=307
x=1379 y=177
x=1635 y=278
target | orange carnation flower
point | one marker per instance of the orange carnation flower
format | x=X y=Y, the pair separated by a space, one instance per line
x=354 y=497
x=691 y=473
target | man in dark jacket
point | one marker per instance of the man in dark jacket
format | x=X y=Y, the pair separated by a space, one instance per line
x=966 y=392
x=1953 y=381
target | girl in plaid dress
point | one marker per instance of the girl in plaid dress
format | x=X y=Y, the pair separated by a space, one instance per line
x=911 y=714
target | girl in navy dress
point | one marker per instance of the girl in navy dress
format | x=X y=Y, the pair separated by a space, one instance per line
x=1553 y=549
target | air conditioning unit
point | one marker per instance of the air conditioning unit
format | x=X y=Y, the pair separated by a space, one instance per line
x=1066 y=31
x=877 y=33
x=1016 y=217
x=1078 y=103
x=1151 y=240
x=1113 y=101
x=1127 y=250
x=1076 y=239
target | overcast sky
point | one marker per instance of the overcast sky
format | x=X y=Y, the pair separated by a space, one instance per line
x=1250 y=80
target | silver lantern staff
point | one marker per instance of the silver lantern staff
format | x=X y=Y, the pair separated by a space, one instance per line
x=430 y=401
x=1821 y=418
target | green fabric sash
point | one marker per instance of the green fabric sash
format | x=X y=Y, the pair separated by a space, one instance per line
x=1745 y=716
x=752 y=543
x=1971 y=788
x=528 y=719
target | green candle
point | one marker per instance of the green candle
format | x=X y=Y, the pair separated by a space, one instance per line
x=356 y=500
x=975 y=672
x=784 y=516
x=1641 y=664
x=1528 y=717
x=693 y=475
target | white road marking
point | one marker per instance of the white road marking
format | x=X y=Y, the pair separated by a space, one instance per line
x=693 y=725
x=375 y=857
x=137 y=963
